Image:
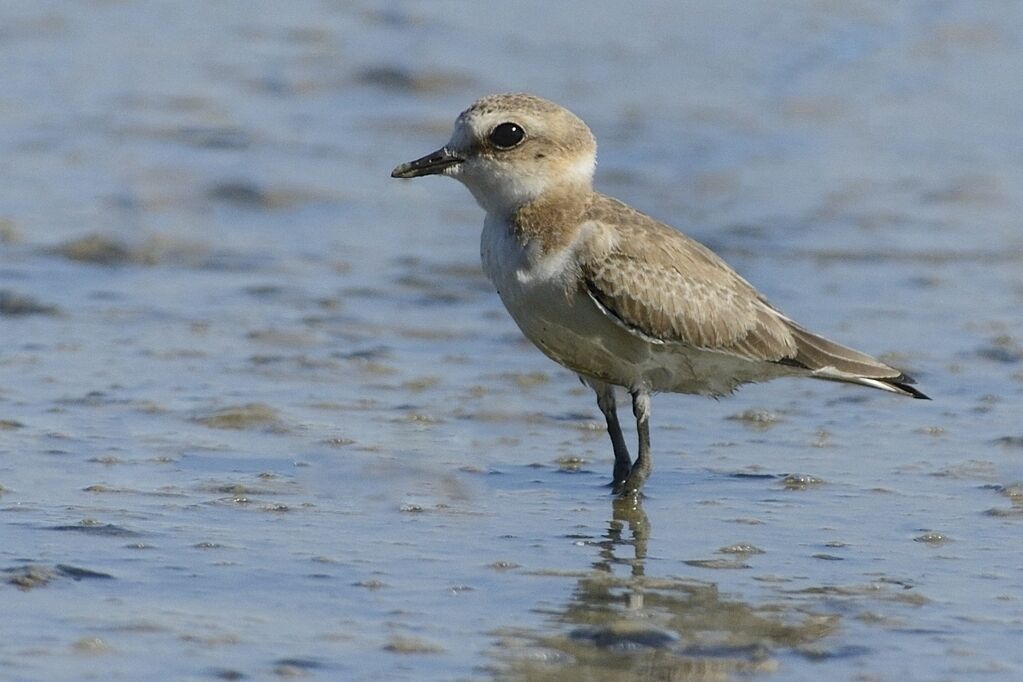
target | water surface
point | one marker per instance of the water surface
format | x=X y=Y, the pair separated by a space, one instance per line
x=261 y=415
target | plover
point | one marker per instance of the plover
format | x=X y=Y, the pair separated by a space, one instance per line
x=615 y=296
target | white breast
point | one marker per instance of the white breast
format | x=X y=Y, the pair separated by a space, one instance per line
x=542 y=294
x=537 y=289
x=518 y=269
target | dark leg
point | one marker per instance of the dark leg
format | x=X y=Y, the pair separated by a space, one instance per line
x=644 y=464
x=623 y=463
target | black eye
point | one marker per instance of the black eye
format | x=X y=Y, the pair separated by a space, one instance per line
x=506 y=135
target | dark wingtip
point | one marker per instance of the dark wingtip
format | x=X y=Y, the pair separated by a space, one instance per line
x=904 y=382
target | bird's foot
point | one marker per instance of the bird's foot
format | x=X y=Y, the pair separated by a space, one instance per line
x=633 y=483
x=621 y=474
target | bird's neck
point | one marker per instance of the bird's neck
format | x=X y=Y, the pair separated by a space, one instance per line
x=551 y=220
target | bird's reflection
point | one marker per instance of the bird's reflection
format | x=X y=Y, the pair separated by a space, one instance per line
x=619 y=621
x=627 y=533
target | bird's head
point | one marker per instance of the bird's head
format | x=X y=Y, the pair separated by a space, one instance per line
x=510 y=149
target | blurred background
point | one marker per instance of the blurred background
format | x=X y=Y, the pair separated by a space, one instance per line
x=262 y=416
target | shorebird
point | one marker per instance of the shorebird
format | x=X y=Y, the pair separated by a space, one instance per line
x=614 y=295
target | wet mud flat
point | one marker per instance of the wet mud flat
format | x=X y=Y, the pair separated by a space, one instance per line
x=262 y=417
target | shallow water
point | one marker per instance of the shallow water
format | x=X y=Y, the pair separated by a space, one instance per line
x=261 y=415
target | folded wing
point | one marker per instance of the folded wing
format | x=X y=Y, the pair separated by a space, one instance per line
x=668 y=288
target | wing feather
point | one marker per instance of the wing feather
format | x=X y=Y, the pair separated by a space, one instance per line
x=663 y=285
x=667 y=288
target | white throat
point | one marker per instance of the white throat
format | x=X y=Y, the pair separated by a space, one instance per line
x=500 y=189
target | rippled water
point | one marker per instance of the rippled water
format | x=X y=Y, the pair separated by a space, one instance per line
x=261 y=416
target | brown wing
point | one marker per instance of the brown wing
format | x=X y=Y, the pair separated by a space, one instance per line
x=662 y=285
x=659 y=283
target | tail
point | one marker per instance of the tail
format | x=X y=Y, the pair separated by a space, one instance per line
x=835 y=362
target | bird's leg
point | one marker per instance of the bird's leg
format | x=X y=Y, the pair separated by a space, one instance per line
x=644 y=464
x=623 y=463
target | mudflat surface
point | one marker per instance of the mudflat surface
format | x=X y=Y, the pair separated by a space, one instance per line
x=261 y=416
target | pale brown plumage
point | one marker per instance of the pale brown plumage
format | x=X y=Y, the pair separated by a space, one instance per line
x=669 y=288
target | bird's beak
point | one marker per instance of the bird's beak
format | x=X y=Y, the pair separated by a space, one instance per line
x=431 y=164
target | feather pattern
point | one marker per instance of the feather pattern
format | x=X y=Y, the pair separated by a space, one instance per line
x=670 y=289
